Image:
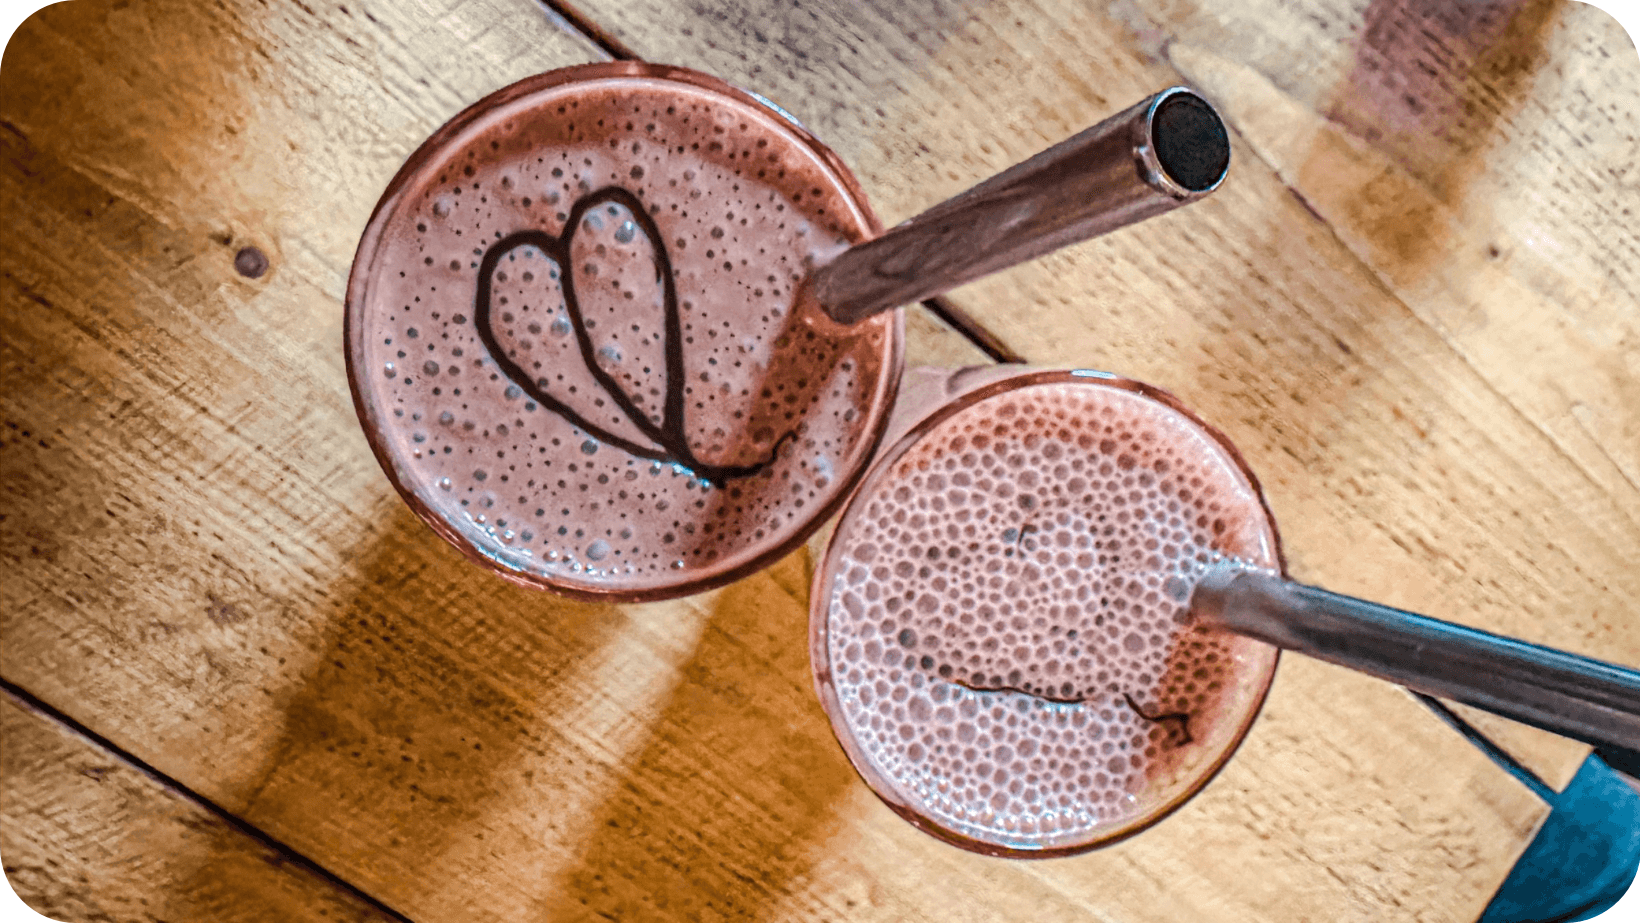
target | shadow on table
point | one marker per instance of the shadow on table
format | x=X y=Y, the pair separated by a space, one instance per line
x=442 y=754
x=1433 y=87
x=433 y=693
x=718 y=812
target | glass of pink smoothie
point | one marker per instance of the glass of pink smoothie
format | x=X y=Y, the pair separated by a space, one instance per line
x=999 y=627
x=576 y=342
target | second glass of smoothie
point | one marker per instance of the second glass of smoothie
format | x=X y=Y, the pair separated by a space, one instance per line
x=999 y=629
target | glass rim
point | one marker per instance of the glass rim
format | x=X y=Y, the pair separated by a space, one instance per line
x=364 y=269
x=825 y=575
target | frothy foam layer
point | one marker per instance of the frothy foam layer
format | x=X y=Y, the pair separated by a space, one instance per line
x=1005 y=628
x=580 y=341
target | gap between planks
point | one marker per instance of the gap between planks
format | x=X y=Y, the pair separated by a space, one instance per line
x=44 y=709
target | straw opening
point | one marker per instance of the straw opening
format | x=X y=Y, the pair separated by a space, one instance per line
x=1190 y=142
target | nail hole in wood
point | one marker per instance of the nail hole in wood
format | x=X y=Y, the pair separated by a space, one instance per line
x=250 y=262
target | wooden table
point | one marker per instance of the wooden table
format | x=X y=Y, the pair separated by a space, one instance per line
x=243 y=682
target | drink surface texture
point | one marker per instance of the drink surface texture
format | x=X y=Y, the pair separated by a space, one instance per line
x=1006 y=652
x=576 y=341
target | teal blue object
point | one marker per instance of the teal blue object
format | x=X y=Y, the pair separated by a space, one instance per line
x=1583 y=858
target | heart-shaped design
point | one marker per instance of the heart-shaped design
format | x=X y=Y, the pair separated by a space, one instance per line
x=588 y=325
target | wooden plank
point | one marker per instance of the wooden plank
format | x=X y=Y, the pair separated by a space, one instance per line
x=87 y=836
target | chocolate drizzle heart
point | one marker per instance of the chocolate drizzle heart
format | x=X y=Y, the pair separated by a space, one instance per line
x=667 y=439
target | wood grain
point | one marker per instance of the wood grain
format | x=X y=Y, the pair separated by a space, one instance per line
x=88 y=837
x=206 y=566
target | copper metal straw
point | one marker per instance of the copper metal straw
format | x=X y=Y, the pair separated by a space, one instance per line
x=1168 y=150
x=1592 y=701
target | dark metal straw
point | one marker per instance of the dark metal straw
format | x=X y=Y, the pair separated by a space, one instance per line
x=1168 y=150
x=1568 y=694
